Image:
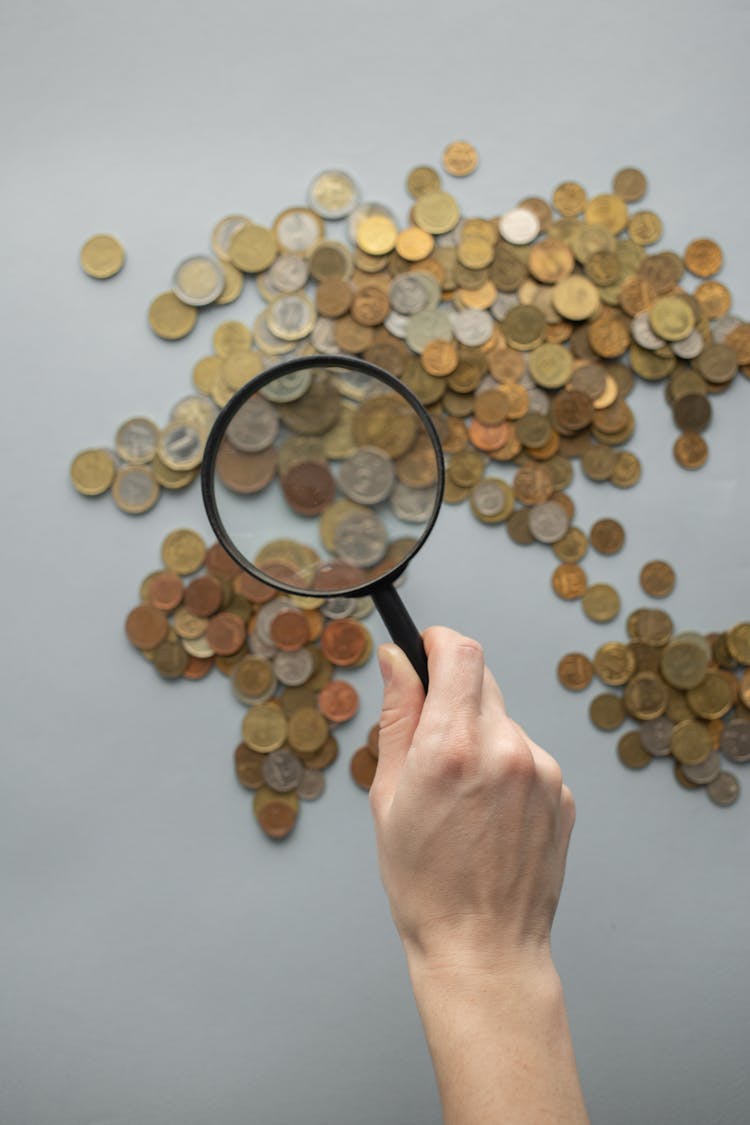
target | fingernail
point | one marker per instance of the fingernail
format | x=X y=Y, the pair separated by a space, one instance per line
x=385 y=660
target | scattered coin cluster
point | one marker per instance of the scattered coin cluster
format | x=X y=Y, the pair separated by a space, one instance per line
x=282 y=655
x=689 y=692
x=147 y=458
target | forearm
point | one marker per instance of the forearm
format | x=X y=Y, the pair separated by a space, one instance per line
x=500 y=1045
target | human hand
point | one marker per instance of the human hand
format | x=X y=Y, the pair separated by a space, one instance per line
x=471 y=817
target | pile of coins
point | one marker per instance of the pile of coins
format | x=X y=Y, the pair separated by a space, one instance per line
x=146 y=458
x=281 y=655
x=689 y=692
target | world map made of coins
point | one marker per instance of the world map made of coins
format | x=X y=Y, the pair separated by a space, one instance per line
x=522 y=334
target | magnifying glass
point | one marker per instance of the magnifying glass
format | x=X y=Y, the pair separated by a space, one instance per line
x=323 y=477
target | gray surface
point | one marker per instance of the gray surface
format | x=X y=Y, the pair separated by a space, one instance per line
x=161 y=962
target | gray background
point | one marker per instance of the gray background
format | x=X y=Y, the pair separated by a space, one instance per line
x=161 y=961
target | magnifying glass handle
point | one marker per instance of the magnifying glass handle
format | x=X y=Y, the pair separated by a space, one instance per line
x=402 y=629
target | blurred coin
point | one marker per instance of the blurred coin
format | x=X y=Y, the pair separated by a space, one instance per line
x=724 y=789
x=92 y=471
x=134 y=489
x=102 y=256
x=333 y=194
x=198 y=280
x=171 y=318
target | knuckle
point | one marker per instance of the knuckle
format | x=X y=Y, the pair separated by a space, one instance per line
x=567 y=801
x=470 y=648
x=518 y=762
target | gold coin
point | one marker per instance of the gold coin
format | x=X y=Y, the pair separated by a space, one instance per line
x=657 y=578
x=460 y=158
x=712 y=698
x=198 y=280
x=92 y=471
x=376 y=234
x=646 y=696
x=601 y=602
x=240 y=367
x=414 y=244
x=170 y=318
x=690 y=742
x=738 y=642
x=102 y=256
x=575 y=298
x=231 y=336
x=436 y=212
x=703 y=257
x=569 y=198
x=135 y=490
x=608 y=211
x=252 y=248
x=672 y=318
x=614 y=663
x=183 y=551
x=551 y=366
x=630 y=184
x=645 y=228
x=206 y=372
x=421 y=180
x=308 y=730
x=264 y=728
x=684 y=661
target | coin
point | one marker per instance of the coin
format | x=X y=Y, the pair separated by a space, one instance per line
x=630 y=751
x=724 y=789
x=657 y=578
x=102 y=256
x=198 y=280
x=171 y=318
x=630 y=184
x=92 y=471
x=606 y=711
x=601 y=602
x=460 y=158
x=363 y=768
x=607 y=536
x=276 y=813
x=134 y=489
x=703 y=257
x=333 y=194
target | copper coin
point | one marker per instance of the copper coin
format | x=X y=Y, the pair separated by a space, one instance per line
x=575 y=671
x=703 y=257
x=277 y=819
x=247 y=766
x=165 y=590
x=343 y=642
x=246 y=473
x=373 y=740
x=692 y=413
x=220 y=563
x=338 y=701
x=289 y=630
x=146 y=627
x=607 y=536
x=225 y=633
x=203 y=595
x=657 y=578
x=253 y=589
x=339 y=576
x=198 y=667
x=363 y=767
x=308 y=487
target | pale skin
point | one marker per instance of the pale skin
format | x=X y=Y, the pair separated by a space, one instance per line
x=472 y=822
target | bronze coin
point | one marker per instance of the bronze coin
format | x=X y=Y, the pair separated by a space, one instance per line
x=607 y=536
x=290 y=630
x=338 y=701
x=630 y=751
x=343 y=642
x=575 y=671
x=607 y=711
x=692 y=413
x=690 y=451
x=246 y=473
x=253 y=589
x=247 y=766
x=373 y=740
x=517 y=526
x=363 y=767
x=203 y=595
x=569 y=581
x=165 y=590
x=277 y=818
x=146 y=627
x=657 y=578
x=220 y=563
x=198 y=667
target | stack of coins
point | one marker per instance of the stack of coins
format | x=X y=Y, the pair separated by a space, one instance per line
x=689 y=692
x=147 y=458
x=283 y=656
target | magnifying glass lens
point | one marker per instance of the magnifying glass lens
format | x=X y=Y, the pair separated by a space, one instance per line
x=323 y=476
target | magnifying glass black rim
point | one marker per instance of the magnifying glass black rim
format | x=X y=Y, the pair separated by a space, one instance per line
x=303 y=363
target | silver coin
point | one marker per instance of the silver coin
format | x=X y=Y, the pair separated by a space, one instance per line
x=136 y=440
x=205 y=277
x=311 y=785
x=413 y=505
x=368 y=476
x=472 y=327
x=245 y=697
x=487 y=384
x=519 y=226
x=425 y=326
x=282 y=770
x=363 y=608
x=260 y=647
x=397 y=324
x=254 y=426
x=490 y=497
x=735 y=740
x=181 y=445
x=293 y=669
x=548 y=522
x=355 y=385
x=655 y=736
x=724 y=789
x=291 y=316
x=366 y=211
x=289 y=273
x=502 y=305
x=266 y=338
x=690 y=347
x=705 y=772
x=298 y=232
x=289 y=387
x=195 y=410
x=323 y=337
x=336 y=609
x=643 y=333
x=333 y=194
x=408 y=294
x=361 y=539
x=538 y=400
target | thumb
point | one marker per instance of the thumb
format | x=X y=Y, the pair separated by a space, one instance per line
x=403 y=698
